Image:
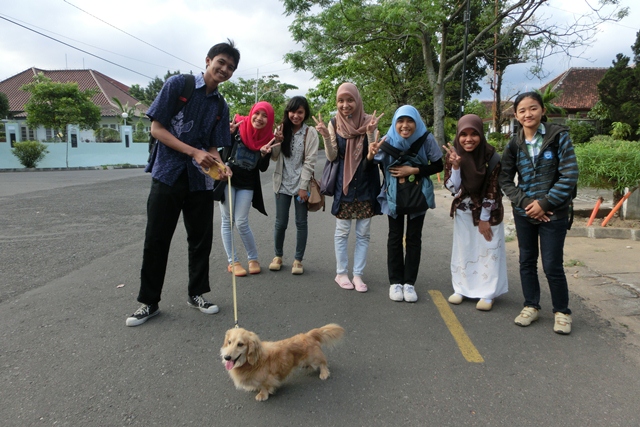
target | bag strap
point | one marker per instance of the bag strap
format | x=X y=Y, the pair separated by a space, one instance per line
x=187 y=91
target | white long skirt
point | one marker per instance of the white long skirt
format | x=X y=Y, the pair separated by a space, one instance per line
x=478 y=267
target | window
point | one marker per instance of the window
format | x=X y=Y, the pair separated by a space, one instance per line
x=27 y=134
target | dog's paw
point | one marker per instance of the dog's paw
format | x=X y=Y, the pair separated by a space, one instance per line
x=262 y=396
x=324 y=373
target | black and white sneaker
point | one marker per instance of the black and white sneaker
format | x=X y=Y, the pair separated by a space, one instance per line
x=144 y=313
x=197 y=301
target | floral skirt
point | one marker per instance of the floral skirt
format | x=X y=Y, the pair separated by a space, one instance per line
x=355 y=210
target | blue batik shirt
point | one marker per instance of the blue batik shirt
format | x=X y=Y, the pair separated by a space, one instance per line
x=192 y=125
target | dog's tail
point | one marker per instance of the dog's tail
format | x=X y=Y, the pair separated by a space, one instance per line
x=327 y=335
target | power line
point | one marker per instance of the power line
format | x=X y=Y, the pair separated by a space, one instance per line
x=131 y=35
x=87 y=44
x=76 y=48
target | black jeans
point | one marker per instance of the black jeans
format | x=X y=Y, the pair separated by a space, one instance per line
x=403 y=269
x=551 y=236
x=164 y=206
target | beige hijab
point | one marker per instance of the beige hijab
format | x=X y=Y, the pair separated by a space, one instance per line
x=353 y=129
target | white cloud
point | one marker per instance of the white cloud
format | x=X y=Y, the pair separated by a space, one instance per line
x=188 y=28
x=185 y=29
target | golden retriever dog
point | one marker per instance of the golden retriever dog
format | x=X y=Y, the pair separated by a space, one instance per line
x=261 y=366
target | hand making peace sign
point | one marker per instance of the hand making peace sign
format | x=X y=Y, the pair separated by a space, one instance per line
x=454 y=158
x=373 y=124
x=233 y=126
x=320 y=126
x=266 y=149
x=374 y=145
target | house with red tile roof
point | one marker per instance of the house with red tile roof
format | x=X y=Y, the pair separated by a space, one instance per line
x=107 y=89
x=577 y=89
x=578 y=93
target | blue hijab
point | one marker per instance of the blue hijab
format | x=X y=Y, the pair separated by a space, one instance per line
x=387 y=197
x=395 y=139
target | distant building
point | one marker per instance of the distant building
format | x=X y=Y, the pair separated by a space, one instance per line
x=578 y=94
x=107 y=87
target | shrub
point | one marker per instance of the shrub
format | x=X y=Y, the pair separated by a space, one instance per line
x=140 y=137
x=498 y=140
x=107 y=135
x=29 y=153
x=620 y=130
x=580 y=131
x=606 y=162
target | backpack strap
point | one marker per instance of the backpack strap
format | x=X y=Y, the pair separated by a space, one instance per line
x=187 y=91
x=183 y=98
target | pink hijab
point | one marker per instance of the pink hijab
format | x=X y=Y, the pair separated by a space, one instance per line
x=255 y=138
x=353 y=129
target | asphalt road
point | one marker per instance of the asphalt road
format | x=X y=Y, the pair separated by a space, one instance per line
x=68 y=239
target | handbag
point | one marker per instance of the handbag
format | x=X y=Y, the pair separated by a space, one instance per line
x=315 y=202
x=219 y=188
x=409 y=197
x=329 y=175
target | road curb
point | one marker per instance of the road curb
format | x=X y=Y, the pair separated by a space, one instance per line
x=605 y=233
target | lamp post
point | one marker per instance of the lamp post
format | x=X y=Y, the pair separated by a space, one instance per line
x=124 y=118
x=269 y=91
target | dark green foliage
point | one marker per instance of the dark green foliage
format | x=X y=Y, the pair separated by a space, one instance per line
x=56 y=105
x=581 y=131
x=29 y=153
x=4 y=105
x=148 y=95
x=619 y=93
x=108 y=135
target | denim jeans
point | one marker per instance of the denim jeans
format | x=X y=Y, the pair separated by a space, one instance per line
x=403 y=268
x=241 y=207
x=283 y=204
x=341 y=242
x=551 y=236
x=163 y=210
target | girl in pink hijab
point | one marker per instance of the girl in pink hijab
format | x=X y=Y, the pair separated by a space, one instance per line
x=346 y=139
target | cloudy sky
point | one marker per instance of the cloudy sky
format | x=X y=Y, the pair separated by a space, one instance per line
x=146 y=38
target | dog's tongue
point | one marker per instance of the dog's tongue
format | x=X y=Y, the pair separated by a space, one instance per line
x=229 y=365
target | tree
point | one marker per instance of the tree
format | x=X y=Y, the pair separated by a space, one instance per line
x=241 y=95
x=619 y=94
x=548 y=95
x=131 y=112
x=56 y=105
x=148 y=95
x=4 y=105
x=333 y=31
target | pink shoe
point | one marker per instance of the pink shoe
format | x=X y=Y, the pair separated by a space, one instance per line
x=359 y=284
x=343 y=281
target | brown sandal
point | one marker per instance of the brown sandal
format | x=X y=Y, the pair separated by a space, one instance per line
x=254 y=267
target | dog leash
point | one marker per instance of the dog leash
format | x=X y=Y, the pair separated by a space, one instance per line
x=233 y=274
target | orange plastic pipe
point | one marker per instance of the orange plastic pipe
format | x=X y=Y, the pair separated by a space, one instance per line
x=616 y=209
x=595 y=211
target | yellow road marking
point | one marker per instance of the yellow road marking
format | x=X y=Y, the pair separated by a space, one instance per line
x=467 y=348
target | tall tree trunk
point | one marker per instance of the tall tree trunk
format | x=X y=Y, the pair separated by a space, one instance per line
x=438 y=113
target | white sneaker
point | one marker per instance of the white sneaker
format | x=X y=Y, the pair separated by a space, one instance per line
x=395 y=292
x=409 y=293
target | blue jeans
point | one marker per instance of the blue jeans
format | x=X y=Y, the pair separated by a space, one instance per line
x=551 y=236
x=241 y=207
x=283 y=203
x=341 y=242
